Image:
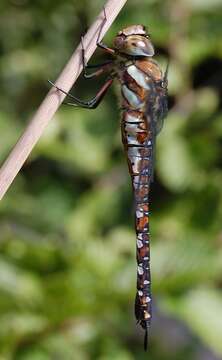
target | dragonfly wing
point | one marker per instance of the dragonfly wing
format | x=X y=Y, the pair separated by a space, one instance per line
x=160 y=110
x=156 y=108
x=160 y=103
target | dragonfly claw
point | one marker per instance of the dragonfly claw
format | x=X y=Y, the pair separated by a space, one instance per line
x=50 y=82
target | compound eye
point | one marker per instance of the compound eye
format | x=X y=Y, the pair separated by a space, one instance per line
x=119 y=41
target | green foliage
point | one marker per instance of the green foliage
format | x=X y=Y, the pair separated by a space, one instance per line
x=67 y=261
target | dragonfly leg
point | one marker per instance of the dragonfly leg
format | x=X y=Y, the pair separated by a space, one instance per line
x=91 y=104
x=102 y=67
x=106 y=48
x=99 y=43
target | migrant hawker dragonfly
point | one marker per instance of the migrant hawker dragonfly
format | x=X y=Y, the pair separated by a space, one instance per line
x=144 y=106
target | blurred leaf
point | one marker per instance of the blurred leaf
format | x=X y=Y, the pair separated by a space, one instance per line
x=22 y=286
x=201 y=309
x=204 y=4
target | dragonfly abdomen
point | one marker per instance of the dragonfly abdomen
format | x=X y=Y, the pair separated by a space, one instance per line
x=135 y=137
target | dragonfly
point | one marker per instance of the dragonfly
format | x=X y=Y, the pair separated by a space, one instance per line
x=143 y=109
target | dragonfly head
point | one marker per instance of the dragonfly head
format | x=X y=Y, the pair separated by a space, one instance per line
x=134 y=41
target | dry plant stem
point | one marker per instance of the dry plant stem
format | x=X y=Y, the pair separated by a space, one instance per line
x=54 y=98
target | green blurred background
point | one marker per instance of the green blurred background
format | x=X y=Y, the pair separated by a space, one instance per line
x=67 y=262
